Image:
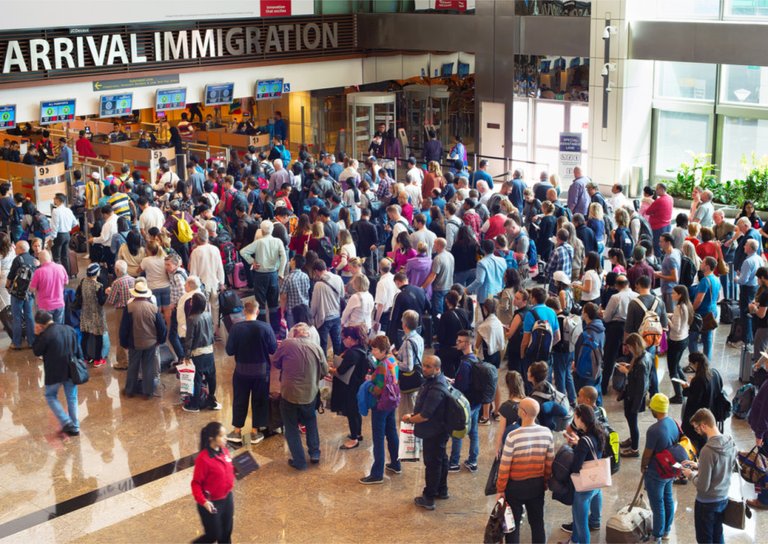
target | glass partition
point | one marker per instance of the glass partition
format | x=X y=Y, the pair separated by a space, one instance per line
x=677 y=135
x=741 y=139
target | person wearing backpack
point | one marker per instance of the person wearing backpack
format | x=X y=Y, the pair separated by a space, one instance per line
x=178 y=228
x=385 y=379
x=647 y=316
x=670 y=269
x=562 y=354
x=699 y=393
x=524 y=470
x=409 y=357
x=22 y=301
x=588 y=357
x=431 y=426
x=464 y=383
x=540 y=329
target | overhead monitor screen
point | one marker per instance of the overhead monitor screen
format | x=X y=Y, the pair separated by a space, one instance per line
x=171 y=99
x=8 y=116
x=269 y=88
x=219 y=95
x=116 y=105
x=56 y=111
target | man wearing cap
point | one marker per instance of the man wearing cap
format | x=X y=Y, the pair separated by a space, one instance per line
x=660 y=436
x=142 y=329
x=267 y=258
x=94 y=190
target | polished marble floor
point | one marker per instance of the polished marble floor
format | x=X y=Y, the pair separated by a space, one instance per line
x=121 y=438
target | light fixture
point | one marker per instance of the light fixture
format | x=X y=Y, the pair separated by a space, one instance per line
x=610 y=86
x=742 y=94
x=608 y=67
x=608 y=31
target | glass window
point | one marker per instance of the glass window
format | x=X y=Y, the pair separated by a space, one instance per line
x=550 y=122
x=520 y=122
x=580 y=123
x=745 y=85
x=686 y=80
x=746 y=8
x=742 y=138
x=677 y=135
x=675 y=10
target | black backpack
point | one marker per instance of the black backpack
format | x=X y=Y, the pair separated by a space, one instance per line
x=541 y=339
x=325 y=251
x=229 y=303
x=22 y=279
x=483 y=379
x=687 y=271
x=645 y=232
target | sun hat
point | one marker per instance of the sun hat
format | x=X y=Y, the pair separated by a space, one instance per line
x=140 y=290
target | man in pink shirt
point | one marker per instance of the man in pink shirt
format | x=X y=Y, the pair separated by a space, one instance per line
x=660 y=216
x=48 y=282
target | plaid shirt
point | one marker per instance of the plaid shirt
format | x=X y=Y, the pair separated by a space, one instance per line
x=382 y=192
x=296 y=286
x=119 y=294
x=472 y=220
x=561 y=259
x=178 y=279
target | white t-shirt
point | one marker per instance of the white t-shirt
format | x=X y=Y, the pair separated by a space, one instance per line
x=154 y=269
x=594 y=292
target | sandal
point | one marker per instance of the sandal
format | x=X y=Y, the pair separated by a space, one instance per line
x=348 y=447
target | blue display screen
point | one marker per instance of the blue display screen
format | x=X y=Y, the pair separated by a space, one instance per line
x=219 y=95
x=171 y=99
x=116 y=105
x=57 y=111
x=269 y=88
x=8 y=116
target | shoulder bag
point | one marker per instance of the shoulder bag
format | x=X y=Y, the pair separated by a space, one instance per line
x=594 y=474
x=736 y=512
x=412 y=381
x=709 y=321
x=722 y=267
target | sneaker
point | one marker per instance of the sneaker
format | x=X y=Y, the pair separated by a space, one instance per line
x=666 y=538
x=472 y=467
x=682 y=480
x=292 y=464
x=215 y=406
x=676 y=400
x=496 y=416
x=394 y=469
x=302 y=429
x=454 y=468
x=370 y=480
x=629 y=452
x=235 y=437
x=625 y=443
x=484 y=421
x=70 y=430
x=192 y=410
x=17 y=348
x=594 y=527
x=567 y=527
x=256 y=437
x=443 y=497
x=427 y=504
x=99 y=362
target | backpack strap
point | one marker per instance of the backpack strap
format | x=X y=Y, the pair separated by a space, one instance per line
x=655 y=304
x=415 y=352
x=640 y=302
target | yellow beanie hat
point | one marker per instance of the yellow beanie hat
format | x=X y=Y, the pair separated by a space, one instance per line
x=660 y=403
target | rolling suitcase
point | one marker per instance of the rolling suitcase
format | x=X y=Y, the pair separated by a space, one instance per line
x=239 y=276
x=74 y=267
x=230 y=319
x=633 y=523
x=729 y=312
x=427 y=331
x=745 y=365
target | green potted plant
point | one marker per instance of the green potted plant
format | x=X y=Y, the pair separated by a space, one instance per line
x=700 y=172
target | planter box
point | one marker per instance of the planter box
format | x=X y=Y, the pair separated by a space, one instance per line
x=730 y=212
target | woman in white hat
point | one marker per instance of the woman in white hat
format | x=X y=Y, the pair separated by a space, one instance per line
x=564 y=291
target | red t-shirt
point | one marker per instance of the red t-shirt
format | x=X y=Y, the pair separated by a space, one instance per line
x=214 y=476
x=660 y=212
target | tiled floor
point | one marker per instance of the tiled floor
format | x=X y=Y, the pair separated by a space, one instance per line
x=123 y=437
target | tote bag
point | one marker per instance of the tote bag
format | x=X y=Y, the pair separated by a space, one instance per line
x=594 y=474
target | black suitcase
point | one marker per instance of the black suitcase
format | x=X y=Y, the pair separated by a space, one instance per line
x=230 y=319
x=427 y=331
x=275 y=418
x=729 y=312
x=6 y=317
x=745 y=365
x=736 y=333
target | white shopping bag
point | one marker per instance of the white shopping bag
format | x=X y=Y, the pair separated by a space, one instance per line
x=187 y=378
x=410 y=445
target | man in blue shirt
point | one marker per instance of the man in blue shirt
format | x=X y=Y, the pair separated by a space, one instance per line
x=705 y=298
x=578 y=199
x=670 y=269
x=433 y=149
x=280 y=127
x=489 y=277
x=463 y=383
x=482 y=174
x=65 y=153
x=747 y=281
x=542 y=312
x=516 y=191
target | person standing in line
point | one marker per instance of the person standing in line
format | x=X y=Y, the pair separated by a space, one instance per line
x=680 y=321
x=62 y=222
x=349 y=373
x=198 y=346
x=525 y=468
x=409 y=356
x=635 y=390
x=670 y=269
x=383 y=424
x=295 y=289
x=489 y=275
x=325 y=307
x=142 y=330
x=251 y=342
x=23 y=267
x=118 y=295
x=7 y=256
x=758 y=309
x=57 y=344
x=578 y=198
x=205 y=263
x=660 y=436
x=704 y=301
x=711 y=476
x=746 y=279
x=48 y=283
x=591 y=338
x=177 y=277
x=463 y=382
x=659 y=215
x=212 y=483
x=429 y=426
x=93 y=322
x=302 y=364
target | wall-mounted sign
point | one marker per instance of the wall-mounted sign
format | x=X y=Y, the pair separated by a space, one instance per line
x=570 y=154
x=116 y=105
x=132 y=82
x=8 y=116
x=219 y=95
x=269 y=88
x=171 y=99
x=57 y=111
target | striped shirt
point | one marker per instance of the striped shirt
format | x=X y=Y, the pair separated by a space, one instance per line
x=120 y=203
x=528 y=453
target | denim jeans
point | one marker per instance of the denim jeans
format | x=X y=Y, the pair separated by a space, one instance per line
x=438 y=303
x=674 y=354
x=333 y=327
x=474 y=440
x=746 y=295
x=57 y=315
x=561 y=371
x=52 y=398
x=706 y=339
x=293 y=414
x=726 y=281
x=708 y=520
x=383 y=426
x=146 y=359
x=656 y=237
x=21 y=310
x=661 y=500
x=586 y=509
x=465 y=277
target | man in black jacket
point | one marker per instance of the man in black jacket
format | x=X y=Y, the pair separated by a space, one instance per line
x=366 y=239
x=409 y=298
x=56 y=344
x=585 y=234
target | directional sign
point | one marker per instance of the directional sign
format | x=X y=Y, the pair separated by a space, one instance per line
x=131 y=82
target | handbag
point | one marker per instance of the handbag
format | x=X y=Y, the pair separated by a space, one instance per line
x=709 y=322
x=594 y=474
x=753 y=465
x=722 y=267
x=413 y=380
x=493 y=476
x=736 y=512
x=78 y=371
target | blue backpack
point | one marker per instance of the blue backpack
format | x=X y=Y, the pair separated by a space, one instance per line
x=509 y=256
x=589 y=357
x=533 y=256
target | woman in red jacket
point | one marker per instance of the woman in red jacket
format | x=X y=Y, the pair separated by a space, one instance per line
x=212 y=484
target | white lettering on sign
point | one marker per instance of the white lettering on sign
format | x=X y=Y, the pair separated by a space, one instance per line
x=77 y=52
